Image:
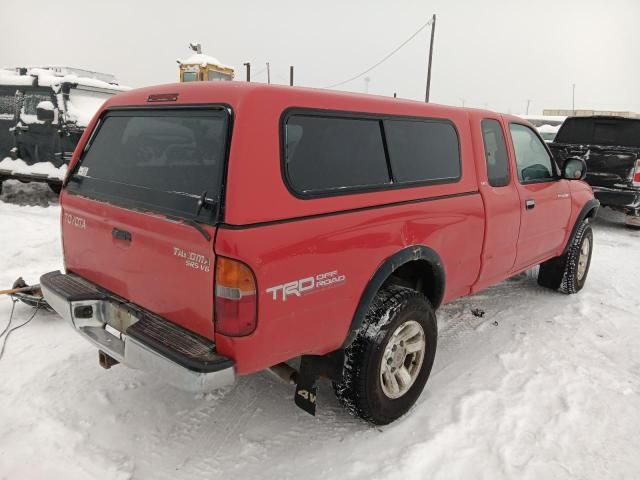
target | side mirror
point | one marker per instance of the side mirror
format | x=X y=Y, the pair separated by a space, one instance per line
x=45 y=111
x=575 y=168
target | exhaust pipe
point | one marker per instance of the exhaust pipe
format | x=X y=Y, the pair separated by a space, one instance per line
x=106 y=361
x=285 y=372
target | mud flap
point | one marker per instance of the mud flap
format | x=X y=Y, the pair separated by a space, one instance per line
x=313 y=367
x=306 y=395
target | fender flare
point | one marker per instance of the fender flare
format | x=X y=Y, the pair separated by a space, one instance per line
x=388 y=266
x=590 y=209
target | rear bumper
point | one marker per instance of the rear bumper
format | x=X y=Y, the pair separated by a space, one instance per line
x=136 y=337
x=627 y=201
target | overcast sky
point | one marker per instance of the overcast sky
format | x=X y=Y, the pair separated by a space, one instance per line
x=495 y=53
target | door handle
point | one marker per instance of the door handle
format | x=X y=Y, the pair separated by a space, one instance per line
x=121 y=234
x=530 y=204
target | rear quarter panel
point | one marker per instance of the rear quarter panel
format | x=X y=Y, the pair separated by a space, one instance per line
x=354 y=245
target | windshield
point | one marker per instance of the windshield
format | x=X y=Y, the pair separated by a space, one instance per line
x=211 y=75
x=190 y=76
x=158 y=160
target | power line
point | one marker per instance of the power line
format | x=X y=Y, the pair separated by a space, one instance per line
x=387 y=57
x=260 y=71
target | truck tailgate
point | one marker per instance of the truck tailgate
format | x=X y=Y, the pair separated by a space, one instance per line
x=606 y=166
x=164 y=266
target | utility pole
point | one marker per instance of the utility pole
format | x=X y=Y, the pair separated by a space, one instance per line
x=291 y=76
x=248 y=65
x=268 y=73
x=366 y=84
x=528 y=103
x=573 y=99
x=433 y=29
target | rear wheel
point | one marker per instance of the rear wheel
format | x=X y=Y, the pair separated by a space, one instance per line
x=388 y=364
x=568 y=273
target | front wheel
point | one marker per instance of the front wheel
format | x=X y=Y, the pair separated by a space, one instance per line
x=387 y=365
x=568 y=273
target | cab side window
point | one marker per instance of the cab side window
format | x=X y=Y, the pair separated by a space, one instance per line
x=495 y=151
x=533 y=161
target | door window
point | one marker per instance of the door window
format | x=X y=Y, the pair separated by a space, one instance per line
x=32 y=99
x=7 y=104
x=495 y=151
x=533 y=161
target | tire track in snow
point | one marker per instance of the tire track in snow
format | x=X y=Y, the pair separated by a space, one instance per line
x=210 y=443
x=199 y=433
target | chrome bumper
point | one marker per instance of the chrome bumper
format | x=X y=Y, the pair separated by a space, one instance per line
x=124 y=347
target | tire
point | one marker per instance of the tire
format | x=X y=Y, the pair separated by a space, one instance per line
x=395 y=313
x=568 y=273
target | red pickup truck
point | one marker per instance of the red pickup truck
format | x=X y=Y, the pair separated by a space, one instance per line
x=218 y=229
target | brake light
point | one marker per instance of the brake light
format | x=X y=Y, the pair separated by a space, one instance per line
x=235 y=298
x=636 y=174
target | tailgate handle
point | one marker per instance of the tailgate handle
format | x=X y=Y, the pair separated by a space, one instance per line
x=121 y=234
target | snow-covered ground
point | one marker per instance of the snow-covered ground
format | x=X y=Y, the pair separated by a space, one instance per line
x=543 y=386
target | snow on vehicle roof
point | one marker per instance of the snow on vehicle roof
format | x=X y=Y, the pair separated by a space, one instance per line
x=20 y=167
x=202 y=59
x=8 y=77
x=51 y=78
x=62 y=70
x=546 y=128
x=543 y=117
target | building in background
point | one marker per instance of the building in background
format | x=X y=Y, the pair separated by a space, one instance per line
x=566 y=112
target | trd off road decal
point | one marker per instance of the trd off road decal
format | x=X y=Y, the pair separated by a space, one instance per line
x=193 y=260
x=74 y=221
x=306 y=285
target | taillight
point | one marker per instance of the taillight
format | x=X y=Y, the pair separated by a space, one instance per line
x=236 y=300
x=636 y=174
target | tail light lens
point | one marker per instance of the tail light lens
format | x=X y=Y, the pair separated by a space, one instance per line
x=235 y=298
x=636 y=174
